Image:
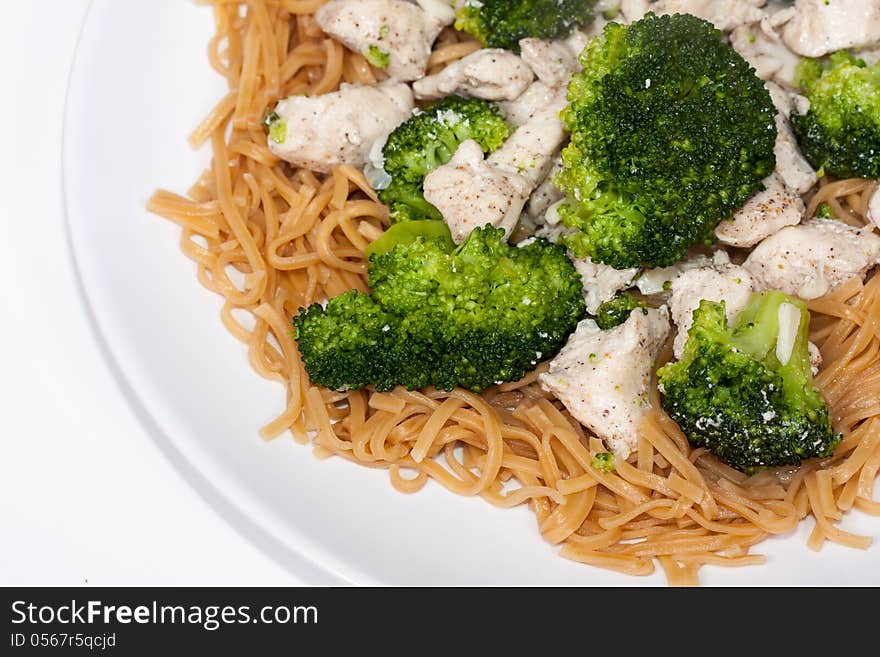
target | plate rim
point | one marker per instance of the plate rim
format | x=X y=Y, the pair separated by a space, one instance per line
x=295 y=560
x=289 y=552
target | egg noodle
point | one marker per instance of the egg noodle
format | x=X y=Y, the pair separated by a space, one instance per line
x=270 y=238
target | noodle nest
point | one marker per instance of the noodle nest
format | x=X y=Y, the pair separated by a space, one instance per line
x=270 y=238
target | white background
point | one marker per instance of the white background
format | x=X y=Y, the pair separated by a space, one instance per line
x=85 y=496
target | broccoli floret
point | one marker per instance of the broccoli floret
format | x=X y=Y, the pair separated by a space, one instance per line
x=377 y=57
x=502 y=23
x=671 y=131
x=275 y=127
x=841 y=131
x=469 y=316
x=406 y=202
x=429 y=139
x=731 y=394
x=603 y=462
x=617 y=310
x=824 y=211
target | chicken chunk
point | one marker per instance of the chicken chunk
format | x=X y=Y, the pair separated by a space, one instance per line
x=635 y=10
x=815 y=358
x=655 y=281
x=515 y=169
x=545 y=194
x=764 y=214
x=874 y=208
x=602 y=377
x=321 y=132
x=441 y=12
x=398 y=31
x=553 y=62
x=521 y=109
x=470 y=192
x=601 y=282
x=795 y=171
x=729 y=283
x=763 y=48
x=531 y=149
x=782 y=100
x=723 y=14
x=490 y=74
x=869 y=55
x=812 y=259
x=819 y=27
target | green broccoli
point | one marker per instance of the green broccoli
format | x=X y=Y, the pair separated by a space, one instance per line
x=429 y=139
x=469 y=316
x=377 y=57
x=824 y=211
x=502 y=23
x=841 y=131
x=731 y=394
x=617 y=310
x=275 y=127
x=603 y=462
x=671 y=131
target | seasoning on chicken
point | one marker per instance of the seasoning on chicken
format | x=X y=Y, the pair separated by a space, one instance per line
x=812 y=259
x=490 y=74
x=470 y=193
x=392 y=34
x=553 y=62
x=762 y=46
x=532 y=148
x=602 y=377
x=764 y=214
x=819 y=27
x=321 y=132
x=601 y=282
x=723 y=14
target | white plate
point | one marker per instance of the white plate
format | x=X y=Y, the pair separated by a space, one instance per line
x=140 y=82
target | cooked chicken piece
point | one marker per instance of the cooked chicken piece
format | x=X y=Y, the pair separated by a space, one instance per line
x=731 y=284
x=874 y=208
x=601 y=282
x=634 y=10
x=655 y=281
x=791 y=166
x=813 y=258
x=440 y=12
x=520 y=110
x=800 y=104
x=763 y=48
x=723 y=14
x=321 y=132
x=602 y=377
x=545 y=194
x=516 y=169
x=795 y=171
x=578 y=39
x=490 y=73
x=819 y=27
x=767 y=212
x=603 y=6
x=550 y=225
x=553 y=62
x=530 y=150
x=394 y=29
x=470 y=192
x=815 y=358
x=869 y=55
x=782 y=100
